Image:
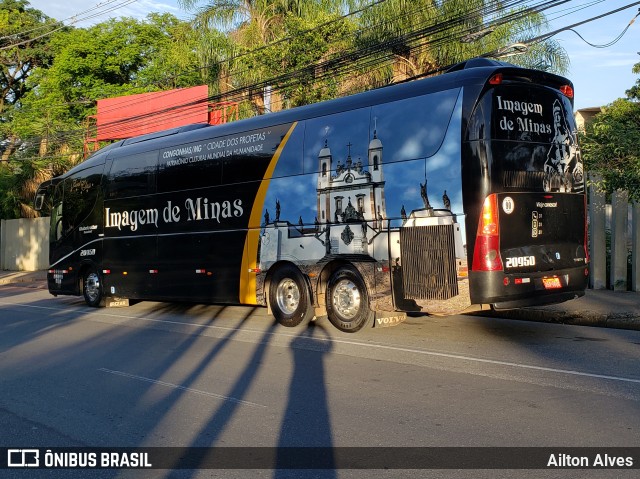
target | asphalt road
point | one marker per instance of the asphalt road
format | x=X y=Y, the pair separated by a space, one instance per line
x=161 y=374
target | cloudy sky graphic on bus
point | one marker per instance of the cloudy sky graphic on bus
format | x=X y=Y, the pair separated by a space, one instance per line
x=420 y=139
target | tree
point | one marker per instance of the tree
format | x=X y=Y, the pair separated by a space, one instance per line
x=20 y=48
x=611 y=144
x=423 y=36
x=634 y=91
x=377 y=44
x=114 y=58
x=265 y=26
x=21 y=51
x=299 y=58
x=611 y=147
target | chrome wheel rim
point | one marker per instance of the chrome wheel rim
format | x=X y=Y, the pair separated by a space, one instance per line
x=346 y=299
x=288 y=296
x=92 y=287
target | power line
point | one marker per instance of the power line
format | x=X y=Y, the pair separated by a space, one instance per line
x=548 y=35
x=375 y=57
x=371 y=56
x=74 y=19
x=356 y=53
x=612 y=42
x=573 y=9
x=71 y=20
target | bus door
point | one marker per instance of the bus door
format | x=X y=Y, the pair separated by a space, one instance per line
x=61 y=244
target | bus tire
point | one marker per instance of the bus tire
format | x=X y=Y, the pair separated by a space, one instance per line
x=92 y=287
x=348 y=301
x=289 y=297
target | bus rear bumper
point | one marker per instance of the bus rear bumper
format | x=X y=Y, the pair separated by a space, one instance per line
x=538 y=301
x=516 y=290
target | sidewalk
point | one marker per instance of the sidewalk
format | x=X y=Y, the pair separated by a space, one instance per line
x=598 y=307
x=602 y=308
x=36 y=278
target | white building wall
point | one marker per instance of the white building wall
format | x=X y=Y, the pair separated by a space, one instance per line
x=24 y=244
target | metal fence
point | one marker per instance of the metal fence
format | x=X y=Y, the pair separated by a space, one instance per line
x=614 y=242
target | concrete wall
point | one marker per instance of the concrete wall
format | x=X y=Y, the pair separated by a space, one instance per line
x=24 y=244
x=620 y=222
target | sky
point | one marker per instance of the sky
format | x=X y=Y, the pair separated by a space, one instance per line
x=600 y=75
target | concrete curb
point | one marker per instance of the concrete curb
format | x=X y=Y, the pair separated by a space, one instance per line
x=598 y=307
x=12 y=277
x=617 y=320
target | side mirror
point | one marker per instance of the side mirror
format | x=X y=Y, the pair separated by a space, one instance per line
x=39 y=201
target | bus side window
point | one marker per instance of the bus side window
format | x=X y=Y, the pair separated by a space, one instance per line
x=177 y=174
x=133 y=175
x=331 y=142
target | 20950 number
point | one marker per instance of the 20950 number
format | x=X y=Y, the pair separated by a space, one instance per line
x=520 y=261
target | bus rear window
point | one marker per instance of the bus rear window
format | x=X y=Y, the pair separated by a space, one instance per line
x=533 y=139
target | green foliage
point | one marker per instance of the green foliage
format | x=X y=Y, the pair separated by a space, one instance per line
x=9 y=202
x=611 y=148
x=19 y=55
x=634 y=91
x=305 y=51
x=19 y=181
x=426 y=35
x=114 y=58
x=110 y=59
x=307 y=47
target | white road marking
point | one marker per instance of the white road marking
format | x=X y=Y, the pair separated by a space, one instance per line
x=183 y=388
x=349 y=342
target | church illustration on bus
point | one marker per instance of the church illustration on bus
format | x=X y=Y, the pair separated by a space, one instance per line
x=352 y=218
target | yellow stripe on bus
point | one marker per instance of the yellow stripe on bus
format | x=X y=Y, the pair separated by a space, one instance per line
x=247 y=293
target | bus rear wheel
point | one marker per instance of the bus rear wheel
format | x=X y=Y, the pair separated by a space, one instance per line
x=92 y=287
x=289 y=297
x=348 y=301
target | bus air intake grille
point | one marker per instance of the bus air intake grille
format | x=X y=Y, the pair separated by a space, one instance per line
x=428 y=262
x=526 y=180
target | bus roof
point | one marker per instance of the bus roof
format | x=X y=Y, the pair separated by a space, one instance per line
x=475 y=71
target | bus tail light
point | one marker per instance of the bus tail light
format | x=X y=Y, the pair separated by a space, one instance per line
x=567 y=90
x=586 y=233
x=496 y=79
x=486 y=253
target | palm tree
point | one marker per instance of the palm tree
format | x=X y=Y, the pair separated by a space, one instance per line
x=425 y=35
x=394 y=40
x=254 y=25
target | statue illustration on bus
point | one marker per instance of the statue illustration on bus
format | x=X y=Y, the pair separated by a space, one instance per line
x=563 y=167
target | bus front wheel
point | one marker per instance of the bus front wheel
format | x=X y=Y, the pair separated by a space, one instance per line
x=92 y=287
x=289 y=297
x=348 y=301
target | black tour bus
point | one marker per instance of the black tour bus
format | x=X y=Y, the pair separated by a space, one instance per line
x=465 y=189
